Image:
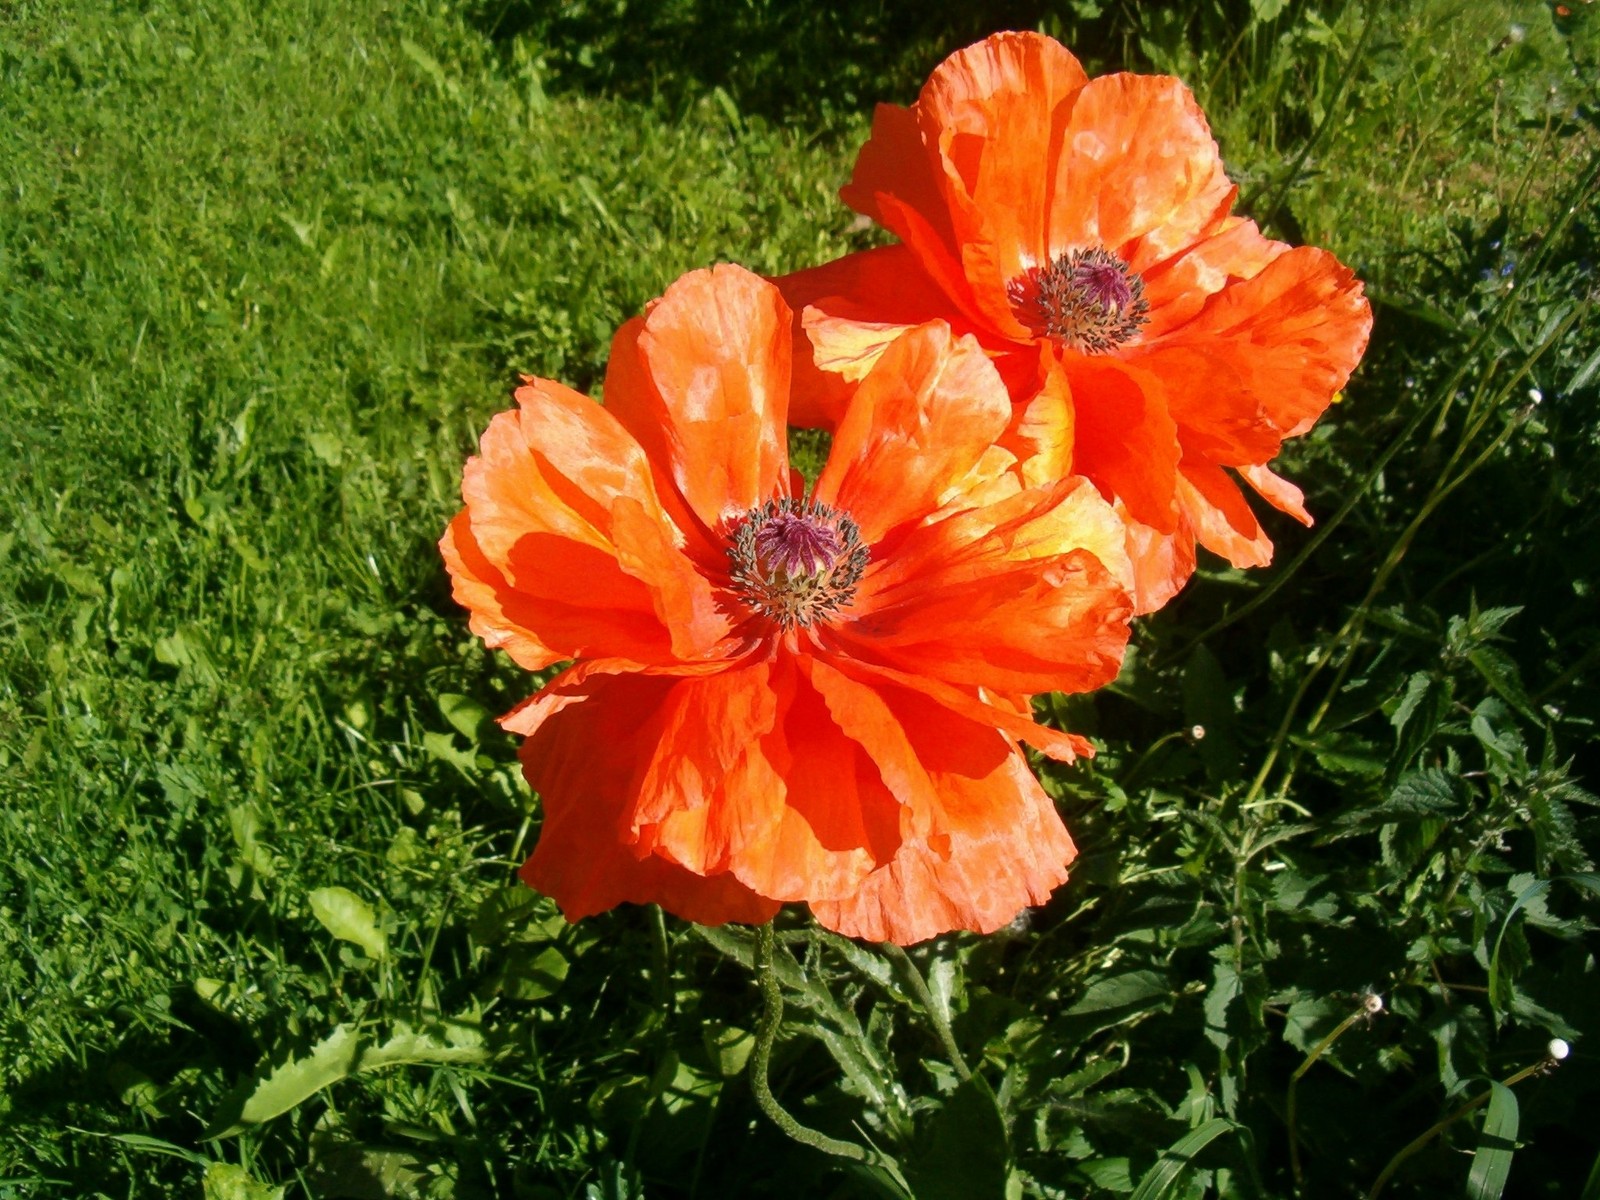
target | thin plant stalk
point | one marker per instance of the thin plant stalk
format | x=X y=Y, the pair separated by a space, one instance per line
x=1370 y=1005
x=919 y=988
x=1543 y=1066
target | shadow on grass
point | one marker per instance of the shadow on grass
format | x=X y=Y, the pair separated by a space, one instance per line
x=790 y=63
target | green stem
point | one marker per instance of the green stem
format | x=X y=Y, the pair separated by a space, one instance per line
x=1433 y=1131
x=919 y=988
x=1367 y=1009
x=761 y=1061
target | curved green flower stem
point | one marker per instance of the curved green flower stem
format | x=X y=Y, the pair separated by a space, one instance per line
x=1366 y=1009
x=761 y=1060
x=1544 y=1065
x=919 y=988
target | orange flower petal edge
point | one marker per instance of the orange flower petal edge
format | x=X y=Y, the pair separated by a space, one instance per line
x=1080 y=230
x=778 y=695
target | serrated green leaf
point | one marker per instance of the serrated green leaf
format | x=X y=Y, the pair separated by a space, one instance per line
x=297 y=1080
x=1491 y=1162
x=1175 y=1158
x=1429 y=792
x=349 y=918
x=410 y=1047
x=1499 y=670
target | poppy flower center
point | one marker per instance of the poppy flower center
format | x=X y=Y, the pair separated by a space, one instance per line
x=796 y=561
x=1085 y=299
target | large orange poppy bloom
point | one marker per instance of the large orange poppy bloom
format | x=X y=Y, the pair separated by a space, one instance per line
x=780 y=695
x=1080 y=229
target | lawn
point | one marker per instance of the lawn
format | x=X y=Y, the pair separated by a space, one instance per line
x=266 y=271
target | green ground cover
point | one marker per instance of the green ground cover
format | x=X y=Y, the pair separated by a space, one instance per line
x=266 y=269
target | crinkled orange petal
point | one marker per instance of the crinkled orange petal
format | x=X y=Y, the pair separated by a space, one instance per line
x=851 y=309
x=1263 y=358
x=997 y=112
x=543 y=500
x=994 y=709
x=495 y=611
x=984 y=842
x=1010 y=596
x=1138 y=171
x=899 y=183
x=703 y=384
x=584 y=859
x=1162 y=562
x=1177 y=289
x=1222 y=521
x=1124 y=439
x=751 y=777
x=921 y=420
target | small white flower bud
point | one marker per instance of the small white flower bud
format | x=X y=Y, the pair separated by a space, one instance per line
x=1373 y=1003
x=1557 y=1049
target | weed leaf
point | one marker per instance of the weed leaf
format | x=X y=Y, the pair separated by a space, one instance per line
x=1491 y=1163
x=1175 y=1158
x=349 y=918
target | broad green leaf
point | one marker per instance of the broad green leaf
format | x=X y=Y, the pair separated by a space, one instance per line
x=349 y=918
x=1491 y=1162
x=466 y=716
x=727 y=1046
x=1113 y=999
x=530 y=976
x=962 y=1151
x=1175 y=1158
x=297 y=1080
x=1266 y=10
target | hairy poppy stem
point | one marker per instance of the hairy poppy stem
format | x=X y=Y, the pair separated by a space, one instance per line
x=941 y=1026
x=761 y=1059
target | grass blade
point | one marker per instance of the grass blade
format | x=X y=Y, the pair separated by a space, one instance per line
x=1175 y=1158
x=1491 y=1163
x=1591 y=1189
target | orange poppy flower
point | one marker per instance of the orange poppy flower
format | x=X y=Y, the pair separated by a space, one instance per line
x=1080 y=229
x=780 y=695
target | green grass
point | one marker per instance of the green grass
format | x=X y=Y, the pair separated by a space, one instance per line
x=265 y=272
